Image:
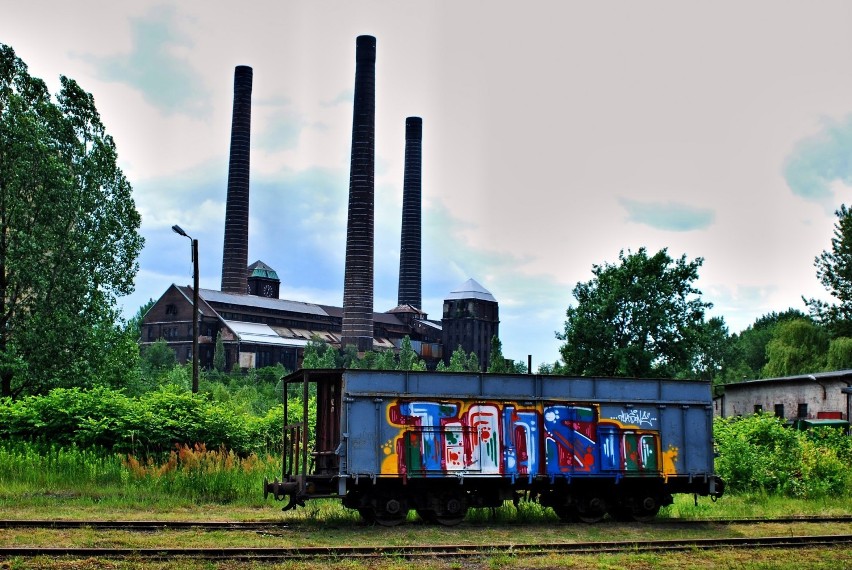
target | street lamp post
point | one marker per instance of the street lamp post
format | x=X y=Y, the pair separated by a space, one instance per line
x=178 y=230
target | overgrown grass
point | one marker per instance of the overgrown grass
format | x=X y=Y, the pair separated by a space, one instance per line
x=194 y=473
x=193 y=480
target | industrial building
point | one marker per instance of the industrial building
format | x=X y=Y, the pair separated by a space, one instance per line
x=259 y=329
x=804 y=398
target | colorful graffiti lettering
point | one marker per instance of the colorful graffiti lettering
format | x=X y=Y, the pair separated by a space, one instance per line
x=483 y=439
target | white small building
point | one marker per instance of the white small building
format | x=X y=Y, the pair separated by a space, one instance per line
x=823 y=395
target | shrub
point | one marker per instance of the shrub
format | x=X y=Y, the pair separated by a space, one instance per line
x=760 y=454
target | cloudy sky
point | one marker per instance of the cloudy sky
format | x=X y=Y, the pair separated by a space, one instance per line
x=555 y=133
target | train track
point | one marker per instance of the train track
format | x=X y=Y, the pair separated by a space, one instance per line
x=423 y=552
x=131 y=525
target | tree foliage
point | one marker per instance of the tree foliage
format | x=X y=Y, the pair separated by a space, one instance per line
x=639 y=317
x=834 y=271
x=460 y=361
x=69 y=237
x=839 y=355
x=748 y=348
x=797 y=347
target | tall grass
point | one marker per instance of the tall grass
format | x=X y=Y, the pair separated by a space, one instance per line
x=203 y=475
x=193 y=473
x=46 y=469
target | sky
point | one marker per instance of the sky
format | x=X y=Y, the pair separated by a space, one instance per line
x=556 y=133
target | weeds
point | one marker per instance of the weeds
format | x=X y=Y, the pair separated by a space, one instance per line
x=193 y=473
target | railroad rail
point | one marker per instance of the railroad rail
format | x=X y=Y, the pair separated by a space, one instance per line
x=422 y=552
x=278 y=525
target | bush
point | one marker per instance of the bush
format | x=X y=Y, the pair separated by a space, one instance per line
x=760 y=454
x=149 y=424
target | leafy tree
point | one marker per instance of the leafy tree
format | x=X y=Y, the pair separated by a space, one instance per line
x=408 y=359
x=134 y=324
x=385 y=360
x=348 y=357
x=318 y=355
x=640 y=317
x=834 y=271
x=157 y=359
x=69 y=238
x=714 y=353
x=748 y=348
x=219 y=353
x=839 y=354
x=496 y=360
x=460 y=361
x=797 y=347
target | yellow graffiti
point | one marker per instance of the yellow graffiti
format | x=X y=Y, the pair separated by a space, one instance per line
x=669 y=459
x=390 y=462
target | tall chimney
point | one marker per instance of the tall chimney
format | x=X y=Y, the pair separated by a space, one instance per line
x=358 y=274
x=409 y=248
x=235 y=252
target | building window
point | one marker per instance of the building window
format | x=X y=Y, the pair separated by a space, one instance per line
x=150 y=333
x=803 y=411
x=758 y=408
x=171 y=309
x=779 y=411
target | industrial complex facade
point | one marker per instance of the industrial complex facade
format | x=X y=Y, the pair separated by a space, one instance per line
x=259 y=329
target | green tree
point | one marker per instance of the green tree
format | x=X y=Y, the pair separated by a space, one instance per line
x=460 y=361
x=408 y=359
x=839 y=354
x=640 y=317
x=496 y=360
x=69 y=239
x=219 y=353
x=134 y=324
x=157 y=359
x=834 y=271
x=318 y=354
x=797 y=347
x=714 y=350
x=748 y=348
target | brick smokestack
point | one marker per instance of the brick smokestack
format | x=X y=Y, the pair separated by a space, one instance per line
x=358 y=274
x=409 y=248
x=235 y=252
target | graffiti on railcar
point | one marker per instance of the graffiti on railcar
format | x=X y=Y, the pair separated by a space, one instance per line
x=507 y=438
x=636 y=417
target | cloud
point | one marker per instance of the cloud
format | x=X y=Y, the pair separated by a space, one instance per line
x=155 y=65
x=344 y=97
x=819 y=160
x=280 y=132
x=668 y=216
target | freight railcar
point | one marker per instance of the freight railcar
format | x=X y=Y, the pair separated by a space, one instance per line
x=387 y=442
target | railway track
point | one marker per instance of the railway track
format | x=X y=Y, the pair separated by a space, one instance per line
x=423 y=552
x=278 y=525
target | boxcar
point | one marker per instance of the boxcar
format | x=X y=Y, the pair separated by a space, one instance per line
x=387 y=442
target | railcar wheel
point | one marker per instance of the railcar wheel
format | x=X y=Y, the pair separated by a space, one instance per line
x=645 y=509
x=451 y=520
x=391 y=512
x=620 y=513
x=591 y=511
x=451 y=510
x=566 y=513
